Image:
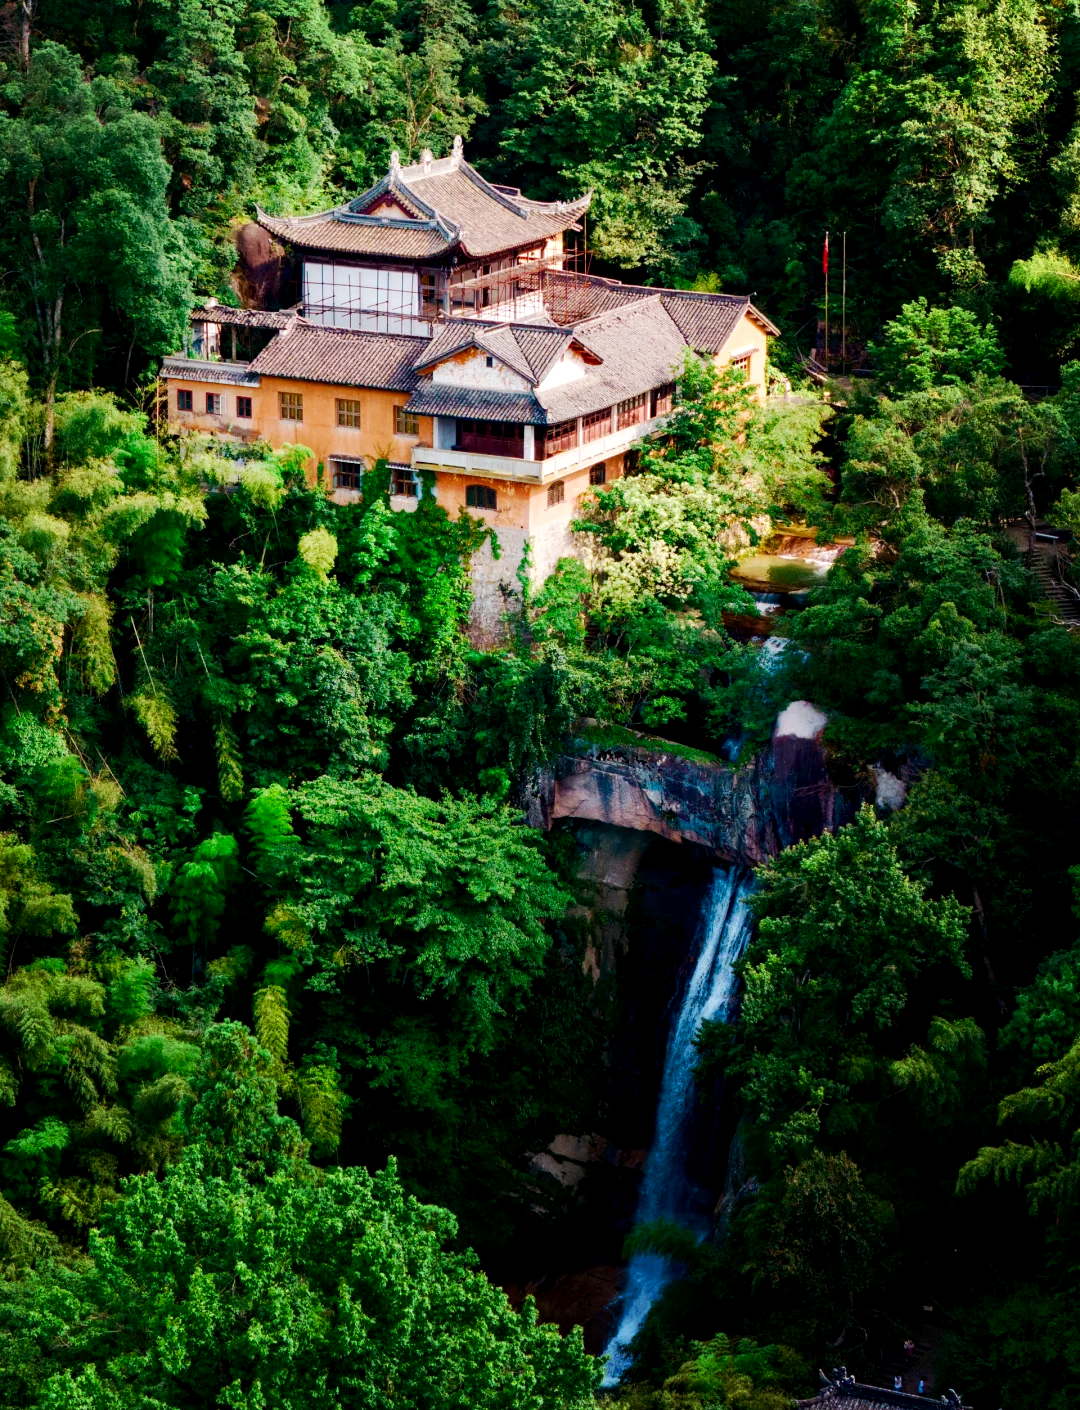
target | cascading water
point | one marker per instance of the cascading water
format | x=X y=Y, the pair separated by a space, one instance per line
x=665 y=1192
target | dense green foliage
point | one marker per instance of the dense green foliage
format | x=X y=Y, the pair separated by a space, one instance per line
x=270 y=917
x=721 y=139
x=248 y=1277
x=904 y=1060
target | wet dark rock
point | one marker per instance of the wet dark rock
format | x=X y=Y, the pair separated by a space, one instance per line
x=742 y=815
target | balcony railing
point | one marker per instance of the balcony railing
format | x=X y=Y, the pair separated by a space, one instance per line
x=457 y=459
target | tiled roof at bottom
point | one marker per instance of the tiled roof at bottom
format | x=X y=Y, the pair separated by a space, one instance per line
x=853 y=1395
x=192 y=370
x=437 y=399
x=382 y=361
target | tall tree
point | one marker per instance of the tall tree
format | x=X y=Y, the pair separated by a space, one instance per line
x=85 y=227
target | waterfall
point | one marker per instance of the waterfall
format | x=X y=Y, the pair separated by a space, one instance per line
x=666 y=1192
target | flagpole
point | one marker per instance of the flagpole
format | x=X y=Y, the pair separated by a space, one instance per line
x=843 y=313
x=826 y=301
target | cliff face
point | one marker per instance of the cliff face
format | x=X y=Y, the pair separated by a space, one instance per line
x=741 y=815
x=650 y=821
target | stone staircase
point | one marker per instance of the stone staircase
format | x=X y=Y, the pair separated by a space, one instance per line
x=1042 y=562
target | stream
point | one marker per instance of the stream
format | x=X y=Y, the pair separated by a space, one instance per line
x=666 y=1191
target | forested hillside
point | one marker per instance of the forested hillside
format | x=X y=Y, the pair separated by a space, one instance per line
x=721 y=141
x=289 y=989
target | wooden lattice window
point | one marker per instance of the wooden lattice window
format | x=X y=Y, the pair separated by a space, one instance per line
x=480 y=497
x=292 y=406
x=631 y=412
x=243 y=408
x=406 y=423
x=556 y=494
x=596 y=425
x=405 y=482
x=663 y=399
x=348 y=412
x=598 y=475
x=558 y=438
x=348 y=474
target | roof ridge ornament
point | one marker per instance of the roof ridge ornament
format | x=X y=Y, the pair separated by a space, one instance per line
x=395 y=160
x=457 y=152
x=426 y=158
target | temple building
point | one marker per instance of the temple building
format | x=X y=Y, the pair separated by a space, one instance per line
x=440 y=322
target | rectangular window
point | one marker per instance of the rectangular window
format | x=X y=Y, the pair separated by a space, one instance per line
x=596 y=425
x=631 y=412
x=598 y=475
x=365 y=300
x=183 y=401
x=405 y=482
x=347 y=474
x=348 y=412
x=554 y=439
x=406 y=423
x=213 y=403
x=292 y=406
x=556 y=494
x=243 y=408
x=491 y=437
x=663 y=399
x=741 y=363
x=480 y=497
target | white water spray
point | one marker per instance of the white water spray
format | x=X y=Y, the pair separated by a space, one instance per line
x=710 y=994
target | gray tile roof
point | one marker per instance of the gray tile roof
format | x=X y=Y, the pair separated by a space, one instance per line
x=638 y=336
x=189 y=369
x=542 y=347
x=438 y=399
x=848 y=1394
x=530 y=350
x=394 y=239
x=213 y=312
x=449 y=205
x=641 y=348
x=706 y=320
x=639 y=344
x=448 y=337
x=342 y=358
x=489 y=219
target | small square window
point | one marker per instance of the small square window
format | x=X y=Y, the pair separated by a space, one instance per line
x=406 y=423
x=183 y=401
x=480 y=497
x=556 y=494
x=405 y=482
x=598 y=475
x=292 y=406
x=348 y=474
x=213 y=403
x=348 y=412
x=489 y=361
x=243 y=408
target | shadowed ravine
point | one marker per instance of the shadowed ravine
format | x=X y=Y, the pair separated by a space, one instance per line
x=666 y=1191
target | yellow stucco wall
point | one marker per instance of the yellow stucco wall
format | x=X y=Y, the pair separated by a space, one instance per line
x=748 y=336
x=319 y=430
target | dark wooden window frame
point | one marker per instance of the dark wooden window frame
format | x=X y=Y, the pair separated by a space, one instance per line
x=481 y=497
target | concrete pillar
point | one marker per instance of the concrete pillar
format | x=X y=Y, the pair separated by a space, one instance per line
x=530 y=442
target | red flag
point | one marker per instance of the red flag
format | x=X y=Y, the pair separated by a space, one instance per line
x=825 y=256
